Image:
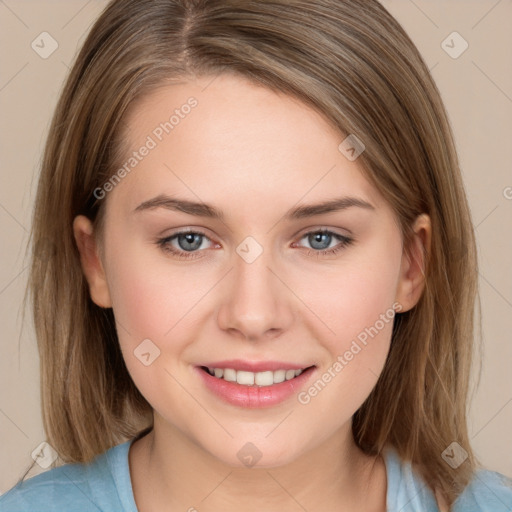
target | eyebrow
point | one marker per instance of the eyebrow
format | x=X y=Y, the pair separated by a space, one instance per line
x=206 y=210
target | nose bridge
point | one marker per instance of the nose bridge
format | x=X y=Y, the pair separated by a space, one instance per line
x=255 y=302
x=252 y=279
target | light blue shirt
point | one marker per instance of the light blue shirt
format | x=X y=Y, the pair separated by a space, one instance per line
x=104 y=485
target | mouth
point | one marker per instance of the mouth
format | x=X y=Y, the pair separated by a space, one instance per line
x=255 y=385
x=255 y=379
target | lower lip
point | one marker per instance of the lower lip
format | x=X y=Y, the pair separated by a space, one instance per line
x=254 y=397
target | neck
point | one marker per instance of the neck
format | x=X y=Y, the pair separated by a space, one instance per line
x=170 y=472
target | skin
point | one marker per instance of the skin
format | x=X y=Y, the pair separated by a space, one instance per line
x=253 y=154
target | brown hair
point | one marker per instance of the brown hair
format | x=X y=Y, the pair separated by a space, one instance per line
x=352 y=62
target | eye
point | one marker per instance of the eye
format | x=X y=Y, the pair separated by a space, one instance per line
x=185 y=244
x=189 y=244
x=321 y=242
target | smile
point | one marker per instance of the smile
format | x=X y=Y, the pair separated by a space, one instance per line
x=245 y=378
x=267 y=385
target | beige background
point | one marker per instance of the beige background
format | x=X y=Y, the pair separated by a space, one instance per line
x=477 y=90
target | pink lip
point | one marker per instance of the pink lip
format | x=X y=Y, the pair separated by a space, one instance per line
x=255 y=366
x=255 y=397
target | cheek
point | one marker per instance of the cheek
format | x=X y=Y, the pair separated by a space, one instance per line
x=355 y=306
x=351 y=298
x=150 y=294
x=141 y=300
x=154 y=300
x=150 y=300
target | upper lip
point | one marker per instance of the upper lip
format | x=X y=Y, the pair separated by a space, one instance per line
x=256 y=366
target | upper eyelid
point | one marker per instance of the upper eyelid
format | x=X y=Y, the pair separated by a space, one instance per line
x=331 y=231
x=299 y=235
x=342 y=239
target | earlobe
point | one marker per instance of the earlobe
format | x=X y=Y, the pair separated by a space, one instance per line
x=92 y=266
x=412 y=272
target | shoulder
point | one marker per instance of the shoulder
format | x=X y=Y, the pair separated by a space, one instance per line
x=488 y=491
x=97 y=486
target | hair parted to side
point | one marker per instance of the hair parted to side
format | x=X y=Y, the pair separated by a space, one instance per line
x=353 y=63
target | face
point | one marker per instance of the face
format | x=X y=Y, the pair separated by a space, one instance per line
x=214 y=256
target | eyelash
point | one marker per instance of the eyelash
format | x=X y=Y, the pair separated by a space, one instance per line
x=345 y=241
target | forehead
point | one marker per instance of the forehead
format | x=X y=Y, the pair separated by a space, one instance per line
x=243 y=143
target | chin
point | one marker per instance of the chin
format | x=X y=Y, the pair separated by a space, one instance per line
x=261 y=454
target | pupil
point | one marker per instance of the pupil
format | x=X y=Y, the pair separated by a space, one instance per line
x=316 y=240
x=189 y=244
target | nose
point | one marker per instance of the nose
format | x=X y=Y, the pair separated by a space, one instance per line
x=255 y=304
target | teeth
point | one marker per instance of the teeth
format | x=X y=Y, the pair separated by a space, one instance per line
x=250 y=378
x=246 y=378
x=290 y=374
x=264 y=378
x=279 y=376
x=230 y=375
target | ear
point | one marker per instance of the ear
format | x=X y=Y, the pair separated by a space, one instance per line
x=91 y=262
x=411 y=281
